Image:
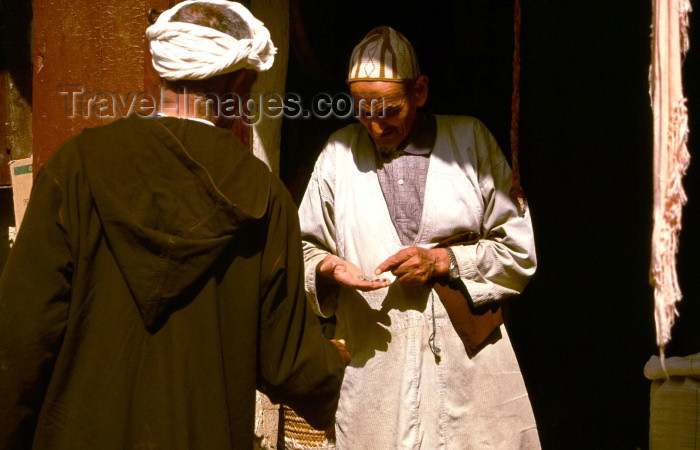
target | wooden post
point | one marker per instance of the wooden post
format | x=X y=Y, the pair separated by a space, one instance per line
x=86 y=51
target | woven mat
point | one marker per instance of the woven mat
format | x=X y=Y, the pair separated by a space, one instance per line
x=304 y=434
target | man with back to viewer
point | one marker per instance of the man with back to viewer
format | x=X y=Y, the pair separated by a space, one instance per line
x=157 y=279
x=383 y=194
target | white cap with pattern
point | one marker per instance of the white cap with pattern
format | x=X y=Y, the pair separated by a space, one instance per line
x=383 y=55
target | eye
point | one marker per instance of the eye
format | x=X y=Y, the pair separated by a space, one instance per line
x=362 y=113
x=389 y=111
x=367 y=113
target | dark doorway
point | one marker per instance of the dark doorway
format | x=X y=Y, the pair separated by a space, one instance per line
x=584 y=328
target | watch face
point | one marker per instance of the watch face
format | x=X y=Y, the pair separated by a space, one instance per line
x=453 y=269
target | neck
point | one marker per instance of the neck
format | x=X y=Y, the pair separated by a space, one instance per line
x=187 y=105
x=416 y=128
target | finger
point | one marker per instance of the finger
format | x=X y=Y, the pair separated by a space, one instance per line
x=328 y=266
x=344 y=354
x=346 y=278
x=347 y=270
x=413 y=277
x=394 y=261
x=361 y=283
x=364 y=285
x=413 y=267
x=373 y=285
x=407 y=266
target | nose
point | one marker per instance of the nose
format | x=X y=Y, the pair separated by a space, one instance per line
x=376 y=127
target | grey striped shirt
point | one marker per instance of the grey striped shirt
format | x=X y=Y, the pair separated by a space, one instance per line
x=402 y=177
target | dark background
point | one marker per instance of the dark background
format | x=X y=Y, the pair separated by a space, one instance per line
x=584 y=327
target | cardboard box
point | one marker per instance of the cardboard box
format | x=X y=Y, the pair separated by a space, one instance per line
x=21 y=173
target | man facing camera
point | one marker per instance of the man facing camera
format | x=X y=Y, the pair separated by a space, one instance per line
x=403 y=211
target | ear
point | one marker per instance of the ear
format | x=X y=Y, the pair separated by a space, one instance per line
x=420 y=90
x=241 y=81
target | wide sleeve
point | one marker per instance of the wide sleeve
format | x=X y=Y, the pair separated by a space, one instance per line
x=34 y=297
x=502 y=262
x=317 y=218
x=298 y=366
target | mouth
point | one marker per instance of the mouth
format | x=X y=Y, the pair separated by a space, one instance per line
x=387 y=137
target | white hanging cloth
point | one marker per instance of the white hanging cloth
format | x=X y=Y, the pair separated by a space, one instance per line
x=671 y=158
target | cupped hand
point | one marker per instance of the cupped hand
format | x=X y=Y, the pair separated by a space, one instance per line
x=345 y=273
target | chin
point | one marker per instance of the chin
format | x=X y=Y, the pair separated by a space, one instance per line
x=385 y=149
x=386 y=143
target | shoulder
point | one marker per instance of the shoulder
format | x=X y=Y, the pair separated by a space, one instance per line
x=341 y=142
x=234 y=168
x=468 y=131
x=124 y=127
x=65 y=162
x=345 y=139
x=472 y=141
x=348 y=133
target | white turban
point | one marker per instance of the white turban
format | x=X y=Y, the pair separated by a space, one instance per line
x=184 y=51
x=384 y=54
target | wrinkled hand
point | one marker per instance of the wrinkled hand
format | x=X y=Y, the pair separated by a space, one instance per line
x=335 y=269
x=416 y=265
x=344 y=354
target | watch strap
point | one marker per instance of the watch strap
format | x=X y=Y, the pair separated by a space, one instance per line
x=454 y=269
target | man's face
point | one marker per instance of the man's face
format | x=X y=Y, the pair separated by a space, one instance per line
x=387 y=109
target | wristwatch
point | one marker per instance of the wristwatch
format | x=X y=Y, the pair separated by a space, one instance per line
x=453 y=269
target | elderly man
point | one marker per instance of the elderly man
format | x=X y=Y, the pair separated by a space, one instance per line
x=157 y=279
x=385 y=198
